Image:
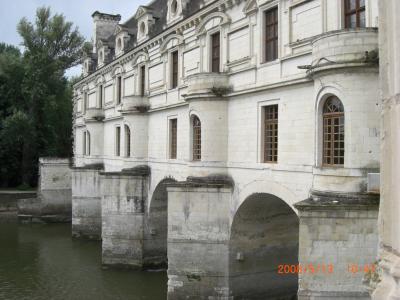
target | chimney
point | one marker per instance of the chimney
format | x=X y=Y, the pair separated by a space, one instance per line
x=104 y=26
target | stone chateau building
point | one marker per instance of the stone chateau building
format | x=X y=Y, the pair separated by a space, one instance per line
x=237 y=143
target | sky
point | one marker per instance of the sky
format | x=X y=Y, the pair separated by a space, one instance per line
x=77 y=11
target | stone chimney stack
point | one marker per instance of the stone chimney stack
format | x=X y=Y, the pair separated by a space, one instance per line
x=104 y=26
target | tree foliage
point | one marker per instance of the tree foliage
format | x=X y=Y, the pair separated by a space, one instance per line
x=35 y=96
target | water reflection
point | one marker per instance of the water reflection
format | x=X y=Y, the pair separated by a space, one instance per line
x=43 y=262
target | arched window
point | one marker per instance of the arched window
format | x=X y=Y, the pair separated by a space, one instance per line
x=333 y=132
x=86 y=143
x=196 y=138
x=127 y=141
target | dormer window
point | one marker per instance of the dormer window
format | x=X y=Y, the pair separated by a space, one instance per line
x=145 y=17
x=175 y=9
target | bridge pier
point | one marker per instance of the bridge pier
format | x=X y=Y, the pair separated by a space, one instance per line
x=338 y=245
x=198 y=239
x=124 y=201
x=86 y=202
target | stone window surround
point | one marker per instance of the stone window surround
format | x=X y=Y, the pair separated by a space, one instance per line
x=323 y=95
x=169 y=137
x=192 y=115
x=260 y=116
x=262 y=20
x=127 y=125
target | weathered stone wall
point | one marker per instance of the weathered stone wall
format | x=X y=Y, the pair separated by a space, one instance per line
x=54 y=200
x=338 y=245
x=86 y=202
x=124 y=199
x=389 y=222
x=55 y=187
x=198 y=235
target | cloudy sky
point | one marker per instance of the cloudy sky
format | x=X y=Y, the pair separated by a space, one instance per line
x=77 y=11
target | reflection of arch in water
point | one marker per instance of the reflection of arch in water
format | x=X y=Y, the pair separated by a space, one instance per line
x=155 y=244
x=264 y=235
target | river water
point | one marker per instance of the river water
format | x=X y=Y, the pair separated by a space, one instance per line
x=43 y=262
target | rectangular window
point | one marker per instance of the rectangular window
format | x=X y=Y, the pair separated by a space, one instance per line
x=85 y=102
x=354 y=11
x=271 y=134
x=174 y=66
x=271 y=34
x=142 y=80
x=118 y=141
x=119 y=89
x=215 y=53
x=333 y=140
x=100 y=96
x=173 y=129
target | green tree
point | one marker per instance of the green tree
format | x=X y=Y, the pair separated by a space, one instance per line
x=38 y=109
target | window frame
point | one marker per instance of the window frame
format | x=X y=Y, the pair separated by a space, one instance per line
x=101 y=95
x=265 y=59
x=347 y=13
x=173 y=138
x=212 y=46
x=268 y=125
x=118 y=141
x=142 y=80
x=174 y=65
x=128 y=141
x=196 y=138
x=333 y=116
x=119 y=89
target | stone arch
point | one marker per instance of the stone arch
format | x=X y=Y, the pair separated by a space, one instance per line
x=156 y=229
x=264 y=238
x=251 y=6
x=164 y=45
x=266 y=186
x=221 y=16
x=142 y=54
x=99 y=80
x=117 y=70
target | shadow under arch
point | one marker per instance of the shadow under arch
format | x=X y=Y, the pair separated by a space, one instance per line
x=156 y=227
x=264 y=235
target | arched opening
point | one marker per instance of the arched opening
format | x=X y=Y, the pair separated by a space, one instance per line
x=264 y=239
x=157 y=227
x=333 y=132
x=174 y=7
x=196 y=138
x=127 y=141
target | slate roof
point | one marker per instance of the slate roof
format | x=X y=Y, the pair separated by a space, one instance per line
x=160 y=9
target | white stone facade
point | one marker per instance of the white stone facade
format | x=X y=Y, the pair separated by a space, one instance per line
x=317 y=58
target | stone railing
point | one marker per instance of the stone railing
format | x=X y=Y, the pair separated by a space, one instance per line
x=345 y=48
x=94 y=114
x=207 y=85
x=135 y=103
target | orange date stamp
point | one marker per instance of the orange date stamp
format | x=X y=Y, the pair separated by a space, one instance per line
x=311 y=268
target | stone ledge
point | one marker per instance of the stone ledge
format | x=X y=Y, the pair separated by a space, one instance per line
x=216 y=181
x=90 y=167
x=143 y=170
x=319 y=200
